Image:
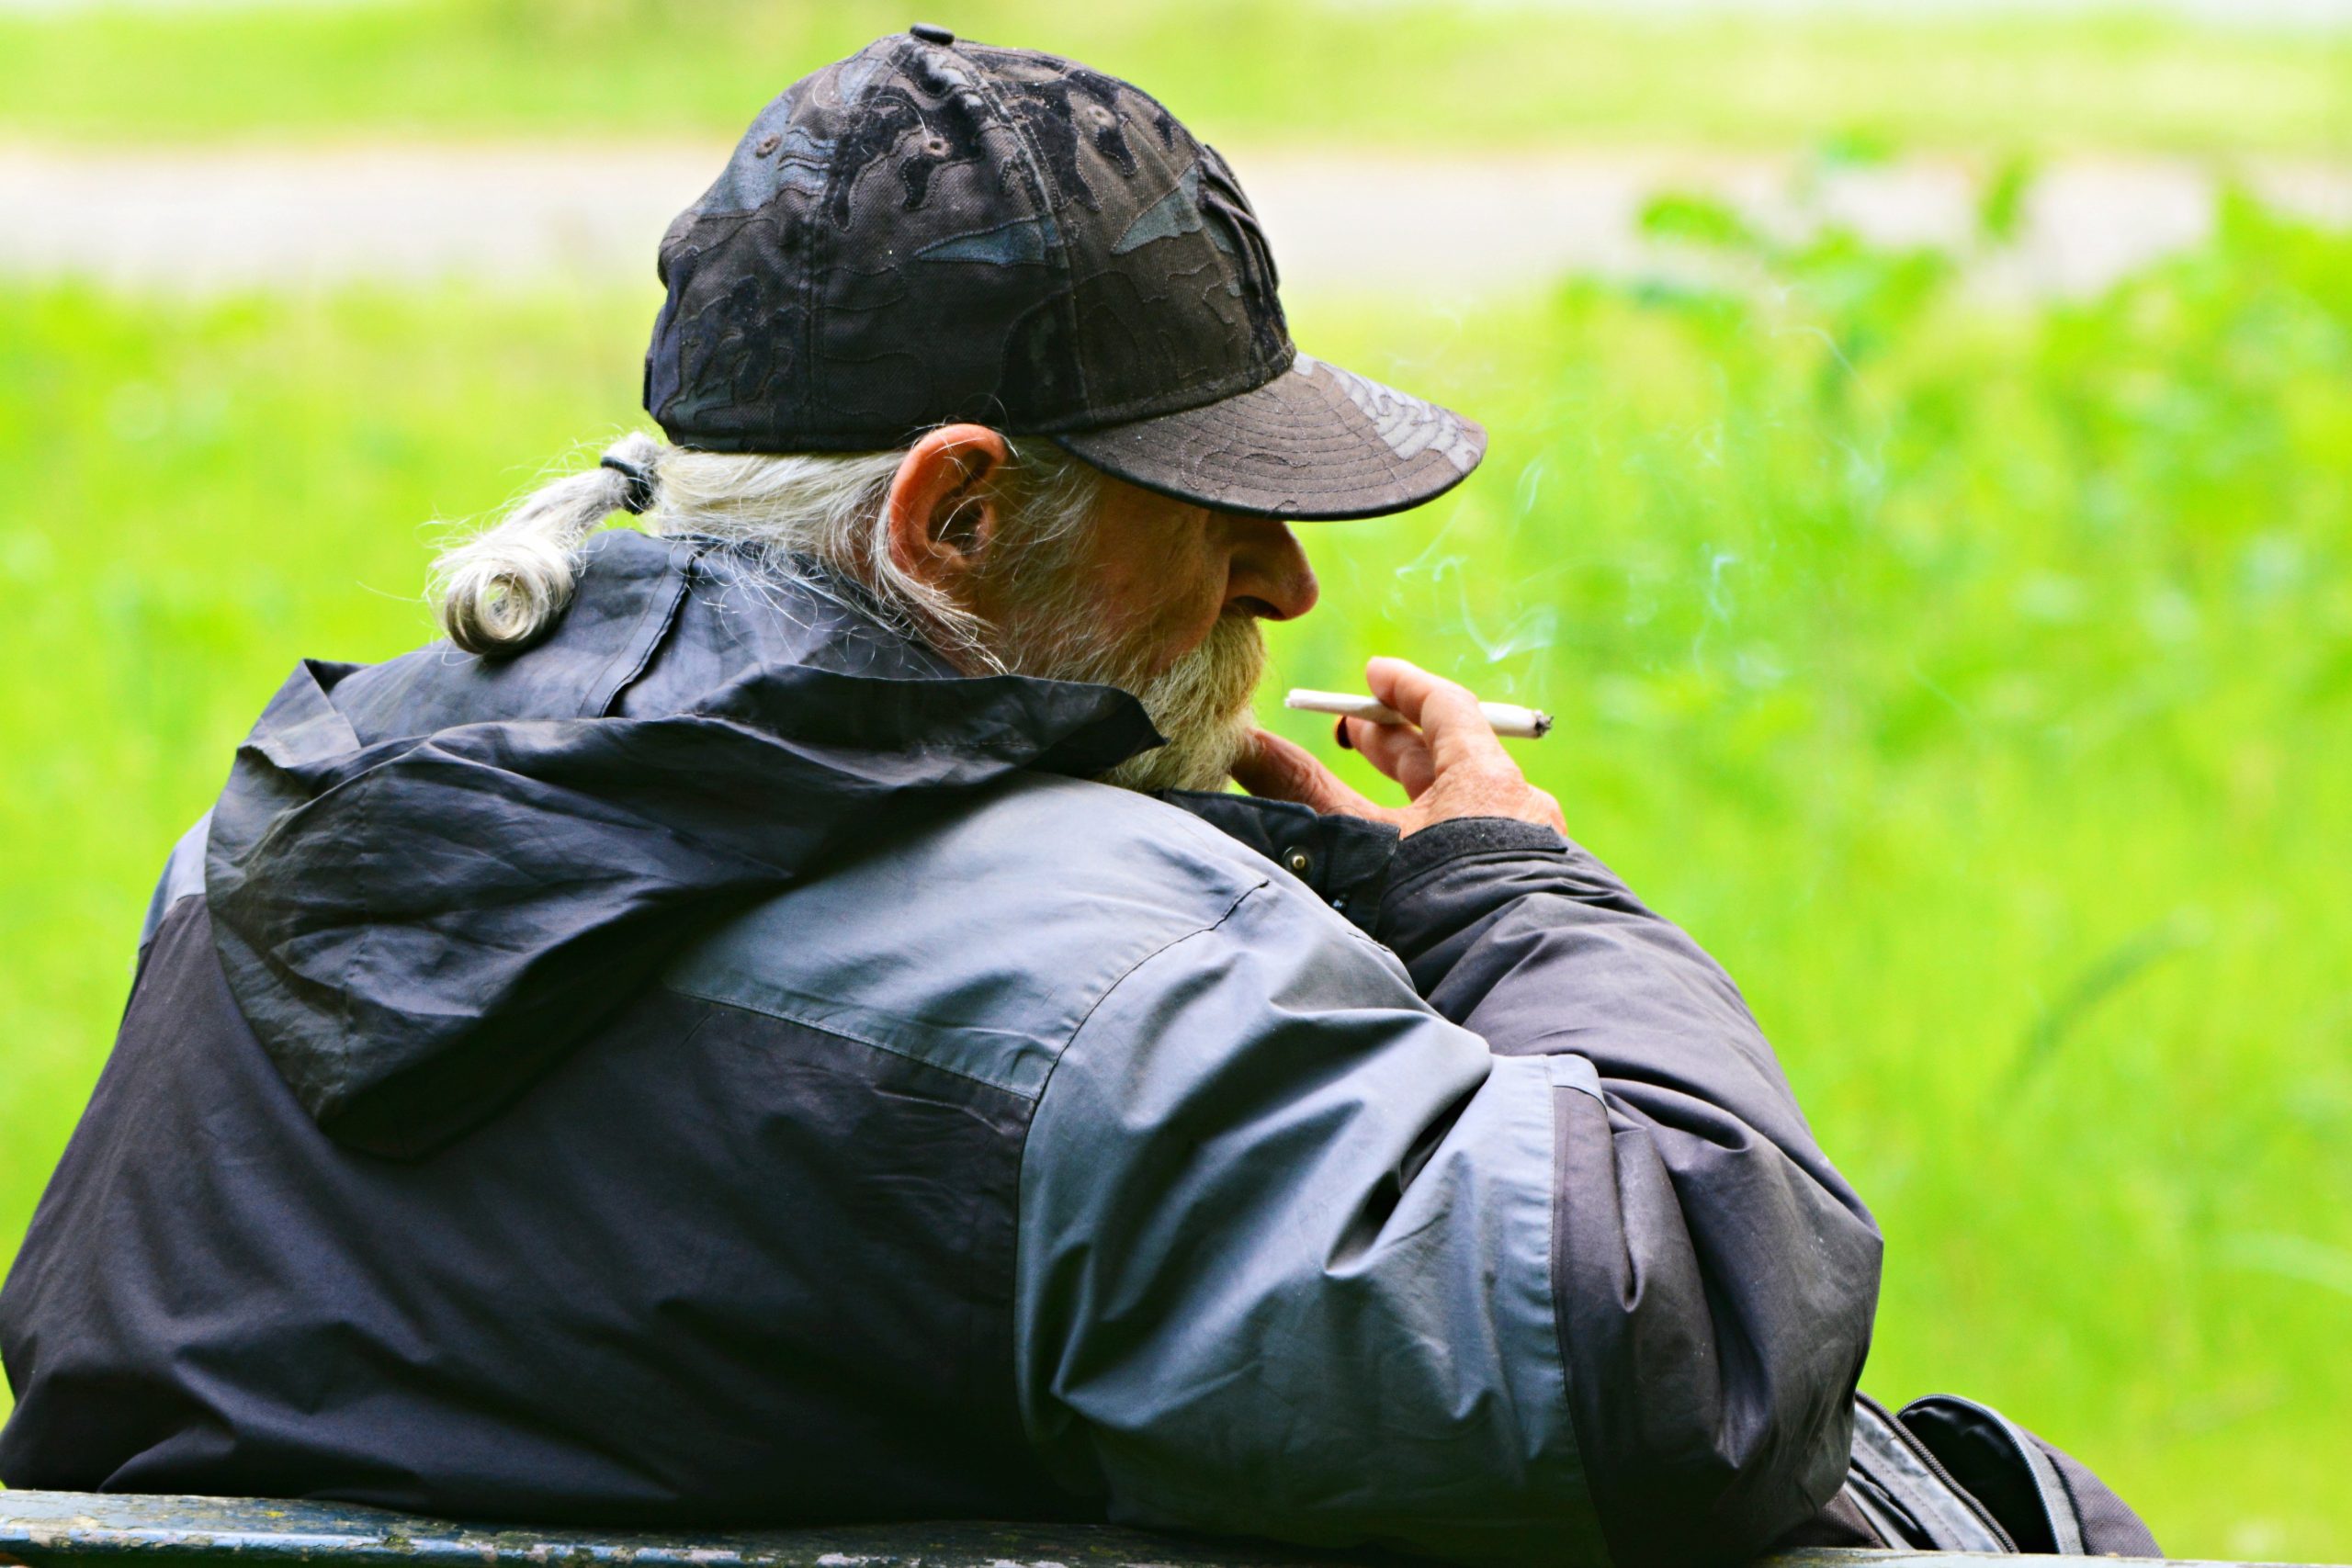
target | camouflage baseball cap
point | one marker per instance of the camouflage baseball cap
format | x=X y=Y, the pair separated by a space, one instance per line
x=937 y=230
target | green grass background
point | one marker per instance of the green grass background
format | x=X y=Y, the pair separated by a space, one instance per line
x=1974 y=683
x=1406 y=72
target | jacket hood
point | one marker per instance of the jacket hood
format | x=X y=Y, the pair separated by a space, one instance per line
x=429 y=879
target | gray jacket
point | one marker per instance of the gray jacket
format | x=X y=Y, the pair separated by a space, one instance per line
x=871 y=1118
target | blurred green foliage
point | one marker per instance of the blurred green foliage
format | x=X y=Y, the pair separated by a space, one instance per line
x=1974 y=683
x=1979 y=688
x=1412 y=73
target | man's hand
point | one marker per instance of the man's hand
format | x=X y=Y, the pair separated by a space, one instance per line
x=1445 y=755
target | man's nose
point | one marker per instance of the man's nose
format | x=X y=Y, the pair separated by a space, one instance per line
x=1269 y=577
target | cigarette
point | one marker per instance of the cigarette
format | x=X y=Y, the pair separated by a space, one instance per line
x=1508 y=719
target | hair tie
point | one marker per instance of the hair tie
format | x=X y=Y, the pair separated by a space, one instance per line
x=639 y=497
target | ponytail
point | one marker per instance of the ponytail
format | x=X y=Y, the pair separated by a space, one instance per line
x=505 y=589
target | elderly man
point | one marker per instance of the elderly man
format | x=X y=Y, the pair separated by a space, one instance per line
x=776 y=1020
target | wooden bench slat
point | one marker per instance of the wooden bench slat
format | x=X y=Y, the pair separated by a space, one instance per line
x=63 y=1529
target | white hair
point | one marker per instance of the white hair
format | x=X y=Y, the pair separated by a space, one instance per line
x=504 y=588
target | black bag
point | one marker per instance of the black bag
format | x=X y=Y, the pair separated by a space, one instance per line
x=1949 y=1474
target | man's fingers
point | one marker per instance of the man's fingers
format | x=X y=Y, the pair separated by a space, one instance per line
x=1274 y=769
x=1448 y=715
x=1422 y=698
x=1396 y=749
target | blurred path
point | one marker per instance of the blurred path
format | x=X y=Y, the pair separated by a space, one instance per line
x=524 y=214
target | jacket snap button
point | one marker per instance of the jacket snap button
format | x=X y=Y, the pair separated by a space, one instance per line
x=1298 y=861
x=931 y=32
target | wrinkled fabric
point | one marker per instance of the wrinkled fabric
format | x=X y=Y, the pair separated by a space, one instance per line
x=1358 y=1344
x=1516 y=1250
x=1717 y=1277
x=416 y=927
x=810 y=1101
x=713 y=1269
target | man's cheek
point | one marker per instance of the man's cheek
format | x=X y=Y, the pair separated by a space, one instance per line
x=1187 y=634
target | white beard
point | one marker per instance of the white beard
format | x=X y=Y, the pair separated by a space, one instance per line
x=1201 y=703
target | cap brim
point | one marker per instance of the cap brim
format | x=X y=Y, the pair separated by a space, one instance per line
x=1317 y=442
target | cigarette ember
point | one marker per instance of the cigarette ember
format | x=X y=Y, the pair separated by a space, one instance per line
x=1508 y=719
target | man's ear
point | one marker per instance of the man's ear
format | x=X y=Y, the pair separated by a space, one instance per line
x=942 y=505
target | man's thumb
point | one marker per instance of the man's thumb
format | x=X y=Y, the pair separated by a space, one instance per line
x=1275 y=769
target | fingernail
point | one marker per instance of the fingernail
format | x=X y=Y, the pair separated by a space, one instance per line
x=1341 y=733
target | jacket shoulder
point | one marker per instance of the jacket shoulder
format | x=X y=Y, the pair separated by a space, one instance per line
x=980 y=940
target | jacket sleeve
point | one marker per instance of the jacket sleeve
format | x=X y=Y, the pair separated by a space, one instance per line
x=1506 y=1246
x=1714 y=1275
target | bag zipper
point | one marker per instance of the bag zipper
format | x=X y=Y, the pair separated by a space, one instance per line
x=2037 y=1467
x=1934 y=1466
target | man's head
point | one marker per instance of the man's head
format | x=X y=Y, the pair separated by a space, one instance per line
x=935 y=231
x=993 y=335
x=1158 y=597
x=1000 y=557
